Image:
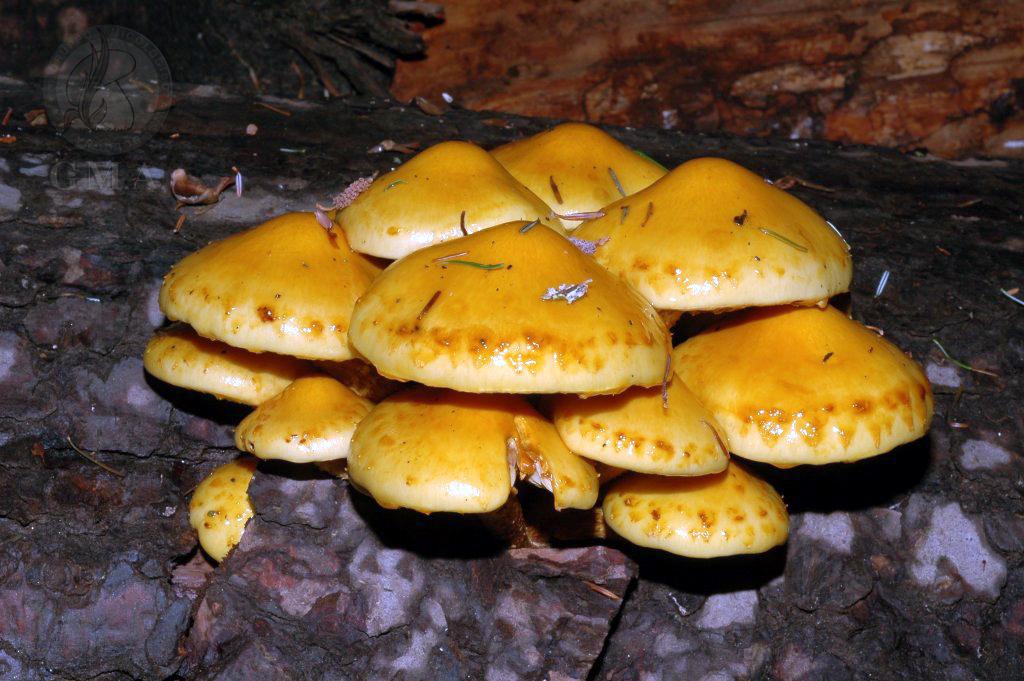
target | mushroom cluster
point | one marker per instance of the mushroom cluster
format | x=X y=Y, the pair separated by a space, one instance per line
x=521 y=333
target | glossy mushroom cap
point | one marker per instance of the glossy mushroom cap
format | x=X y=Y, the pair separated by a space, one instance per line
x=712 y=235
x=311 y=420
x=471 y=315
x=574 y=168
x=220 y=507
x=422 y=202
x=181 y=357
x=634 y=431
x=435 y=450
x=287 y=286
x=805 y=386
x=723 y=514
x=438 y=450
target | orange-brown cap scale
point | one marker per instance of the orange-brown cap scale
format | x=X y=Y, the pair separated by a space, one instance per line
x=577 y=168
x=287 y=286
x=181 y=357
x=723 y=514
x=220 y=507
x=311 y=420
x=443 y=193
x=805 y=386
x=644 y=430
x=482 y=314
x=712 y=235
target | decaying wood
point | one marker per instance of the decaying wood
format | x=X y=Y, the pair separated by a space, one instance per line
x=943 y=75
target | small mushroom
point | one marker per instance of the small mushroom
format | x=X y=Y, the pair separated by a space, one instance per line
x=181 y=357
x=287 y=286
x=443 y=193
x=439 y=450
x=220 y=507
x=712 y=235
x=794 y=385
x=635 y=431
x=544 y=461
x=436 y=450
x=577 y=168
x=471 y=315
x=311 y=420
x=723 y=514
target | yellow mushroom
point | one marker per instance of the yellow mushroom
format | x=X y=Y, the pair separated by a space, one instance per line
x=544 y=461
x=435 y=450
x=805 y=386
x=445 y=192
x=512 y=309
x=287 y=286
x=712 y=235
x=577 y=168
x=311 y=420
x=723 y=514
x=181 y=357
x=439 y=450
x=220 y=507
x=635 y=430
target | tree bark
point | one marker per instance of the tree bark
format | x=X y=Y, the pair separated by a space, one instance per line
x=944 y=76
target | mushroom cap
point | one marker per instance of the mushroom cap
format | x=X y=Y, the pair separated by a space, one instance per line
x=576 y=158
x=436 y=450
x=422 y=201
x=805 y=385
x=723 y=514
x=445 y=323
x=633 y=431
x=220 y=507
x=545 y=461
x=287 y=286
x=181 y=357
x=712 y=235
x=311 y=420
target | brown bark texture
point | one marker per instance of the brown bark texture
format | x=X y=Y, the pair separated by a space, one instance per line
x=944 y=75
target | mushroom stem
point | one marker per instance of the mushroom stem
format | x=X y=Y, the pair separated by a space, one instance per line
x=510 y=523
x=670 y=317
x=528 y=520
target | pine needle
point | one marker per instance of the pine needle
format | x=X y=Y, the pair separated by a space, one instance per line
x=528 y=226
x=554 y=189
x=478 y=265
x=618 y=185
x=962 y=365
x=1011 y=296
x=788 y=242
x=91 y=457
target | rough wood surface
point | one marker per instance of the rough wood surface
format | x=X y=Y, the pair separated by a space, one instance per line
x=301 y=48
x=945 y=75
x=906 y=567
